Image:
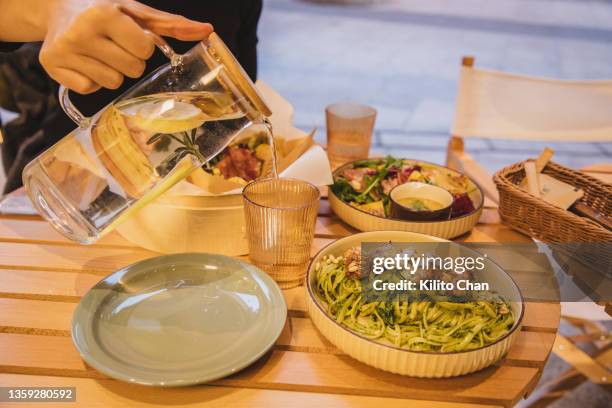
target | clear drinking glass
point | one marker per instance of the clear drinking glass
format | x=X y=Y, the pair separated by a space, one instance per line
x=280 y=218
x=349 y=132
x=167 y=125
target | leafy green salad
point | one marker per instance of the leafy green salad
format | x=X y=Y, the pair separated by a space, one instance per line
x=366 y=183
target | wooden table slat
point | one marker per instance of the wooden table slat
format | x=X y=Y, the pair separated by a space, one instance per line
x=107 y=393
x=21 y=255
x=43 y=284
x=542 y=316
x=287 y=370
x=35 y=230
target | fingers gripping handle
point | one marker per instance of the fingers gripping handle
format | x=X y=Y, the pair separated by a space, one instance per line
x=82 y=120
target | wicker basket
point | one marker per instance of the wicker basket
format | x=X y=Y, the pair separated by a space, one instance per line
x=550 y=224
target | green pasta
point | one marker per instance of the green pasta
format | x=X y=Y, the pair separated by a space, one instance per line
x=414 y=325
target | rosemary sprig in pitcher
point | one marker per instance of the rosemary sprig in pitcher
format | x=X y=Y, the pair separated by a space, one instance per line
x=187 y=146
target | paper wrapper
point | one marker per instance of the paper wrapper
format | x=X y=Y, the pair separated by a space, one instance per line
x=298 y=156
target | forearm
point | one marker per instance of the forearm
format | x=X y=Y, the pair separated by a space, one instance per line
x=24 y=20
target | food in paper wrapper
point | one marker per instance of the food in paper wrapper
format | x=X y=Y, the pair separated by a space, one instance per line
x=247 y=158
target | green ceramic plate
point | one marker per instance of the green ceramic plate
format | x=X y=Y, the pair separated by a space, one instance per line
x=179 y=320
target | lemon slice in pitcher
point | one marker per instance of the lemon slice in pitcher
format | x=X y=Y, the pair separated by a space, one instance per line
x=166 y=115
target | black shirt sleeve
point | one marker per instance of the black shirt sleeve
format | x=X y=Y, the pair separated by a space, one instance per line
x=246 y=43
x=235 y=21
x=9 y=46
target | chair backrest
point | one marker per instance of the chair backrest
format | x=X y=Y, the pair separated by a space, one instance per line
x=501 y=105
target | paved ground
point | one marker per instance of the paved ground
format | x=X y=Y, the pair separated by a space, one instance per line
x=402 y=57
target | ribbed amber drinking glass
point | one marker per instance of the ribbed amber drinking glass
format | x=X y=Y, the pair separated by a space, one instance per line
x=280 y=218
x=349 y=132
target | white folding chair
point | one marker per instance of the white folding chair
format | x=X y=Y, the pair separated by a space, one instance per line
x=499 y=105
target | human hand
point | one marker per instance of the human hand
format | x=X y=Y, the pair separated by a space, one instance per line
x=91 y=44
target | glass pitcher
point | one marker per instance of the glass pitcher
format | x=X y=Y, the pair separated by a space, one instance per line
x=169 y=124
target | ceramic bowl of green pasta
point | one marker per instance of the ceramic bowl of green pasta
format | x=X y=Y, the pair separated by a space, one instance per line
x=418 y=336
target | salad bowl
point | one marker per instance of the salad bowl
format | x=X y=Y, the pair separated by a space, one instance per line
x=374 y=215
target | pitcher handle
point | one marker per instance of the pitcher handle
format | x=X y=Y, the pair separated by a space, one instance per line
x=82 y=120
x=67 y=106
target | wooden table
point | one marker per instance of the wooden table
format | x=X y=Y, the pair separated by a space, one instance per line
x=43 y=276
